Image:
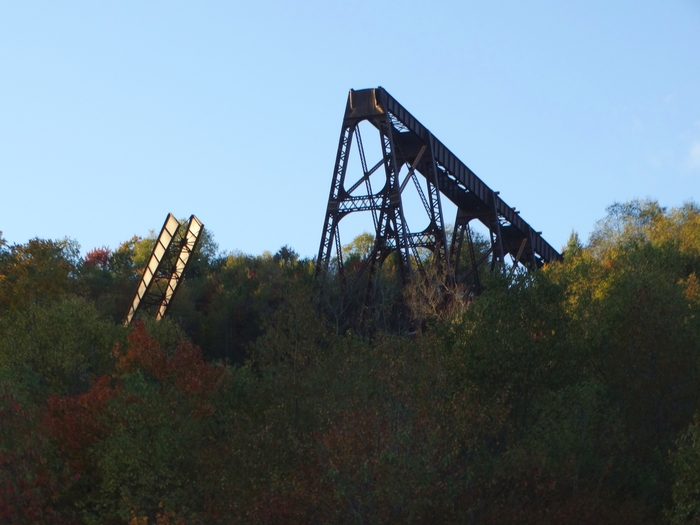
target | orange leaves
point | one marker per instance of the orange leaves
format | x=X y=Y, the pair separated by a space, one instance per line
x=143 y=353
x=186 y=369
x=78 y=422
x=692 y=288
x=138 y=432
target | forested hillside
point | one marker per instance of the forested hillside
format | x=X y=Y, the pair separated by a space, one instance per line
x=566 y=395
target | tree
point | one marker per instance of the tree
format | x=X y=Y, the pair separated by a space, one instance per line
x=158 y=407
x=64 y=345
x=33 y=476
x=686 y=486
x=36 y=272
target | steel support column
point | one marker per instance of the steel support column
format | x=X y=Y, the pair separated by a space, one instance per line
x=406 y=145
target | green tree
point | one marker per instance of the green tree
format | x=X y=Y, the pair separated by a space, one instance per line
x=60 y=347
x=36 y=272
x=685 y=461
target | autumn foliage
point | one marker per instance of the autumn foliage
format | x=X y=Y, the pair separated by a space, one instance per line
x=566 y=395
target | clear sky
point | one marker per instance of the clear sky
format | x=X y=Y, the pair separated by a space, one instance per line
x=113 y=114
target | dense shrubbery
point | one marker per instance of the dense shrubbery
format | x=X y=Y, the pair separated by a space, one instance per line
x=569 y=395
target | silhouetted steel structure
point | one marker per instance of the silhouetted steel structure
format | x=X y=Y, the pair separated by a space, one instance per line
x=166 y=266
x=409 y=149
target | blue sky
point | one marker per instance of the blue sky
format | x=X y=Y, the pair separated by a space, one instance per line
x=115 y=113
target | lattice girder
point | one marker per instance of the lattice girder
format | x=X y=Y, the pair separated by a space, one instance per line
x=166 y=266
x=407 y=146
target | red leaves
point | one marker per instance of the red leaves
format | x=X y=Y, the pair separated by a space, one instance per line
x=153 y=393
x=186 y=369
x=190 y=372
x=98 y=258
x=29 y=479
x=75 y=421
x=143 y=353
x=78 y=422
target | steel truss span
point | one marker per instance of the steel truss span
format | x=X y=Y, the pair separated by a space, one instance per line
x=407 y=150
x=166 y=266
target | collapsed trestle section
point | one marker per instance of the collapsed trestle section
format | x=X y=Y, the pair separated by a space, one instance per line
x=410 y=159
x=166 y=266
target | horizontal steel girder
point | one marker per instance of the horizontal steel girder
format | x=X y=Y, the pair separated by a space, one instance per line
x=455 y=180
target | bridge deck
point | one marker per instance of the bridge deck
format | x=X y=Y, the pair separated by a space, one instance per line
x=456 y=181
